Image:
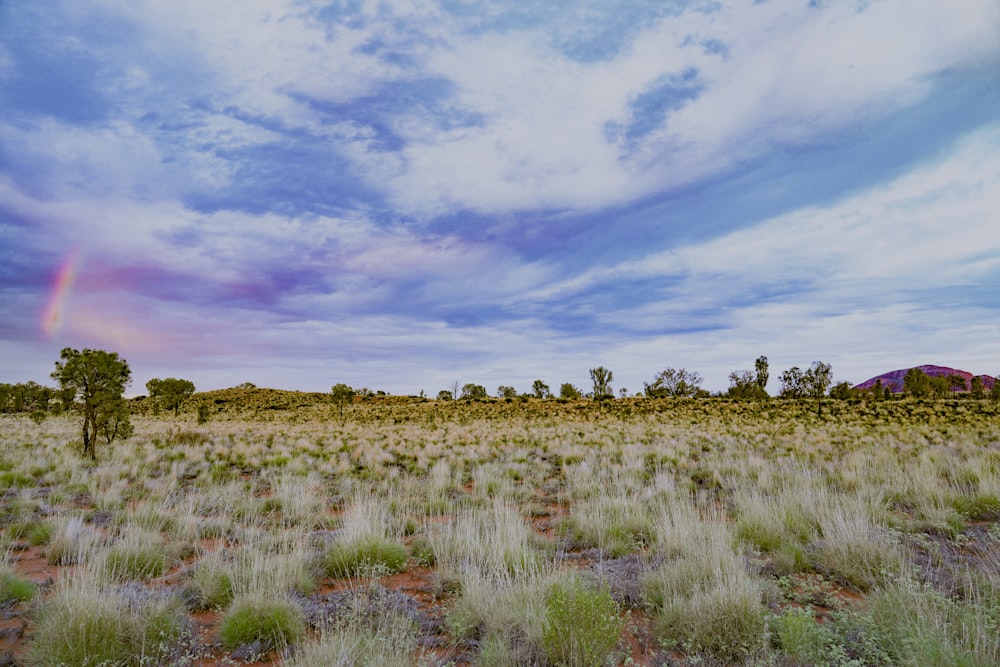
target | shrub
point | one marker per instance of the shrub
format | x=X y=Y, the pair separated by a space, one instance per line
x=370 y=555
x=273 y=623
x=802 y=639
x=581 y=626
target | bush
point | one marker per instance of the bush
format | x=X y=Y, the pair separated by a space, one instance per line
x=801 y=638
x=274 y=624
x=581 y=626
x=371 y=555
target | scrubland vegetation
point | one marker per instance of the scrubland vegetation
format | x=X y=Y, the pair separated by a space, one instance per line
x=290 y=529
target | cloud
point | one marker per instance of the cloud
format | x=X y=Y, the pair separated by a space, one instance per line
x=731 y=83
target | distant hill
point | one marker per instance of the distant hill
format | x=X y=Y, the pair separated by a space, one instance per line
x=894 y=379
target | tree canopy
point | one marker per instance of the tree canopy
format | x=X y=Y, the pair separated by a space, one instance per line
x=97 y=379
x=673 y=382
x=602 y=378
x=171 y=391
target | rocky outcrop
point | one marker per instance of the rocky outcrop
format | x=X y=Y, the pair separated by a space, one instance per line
x=894 y=379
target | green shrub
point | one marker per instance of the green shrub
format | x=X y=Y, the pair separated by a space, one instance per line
x=275 y=623
x=371 y=555
x=581 y=626
x=801 y=639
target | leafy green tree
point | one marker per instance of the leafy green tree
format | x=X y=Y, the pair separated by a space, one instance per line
x=343 y=395
x=567 y=390
x=114 y=422
x=98 y=380
x=675 y=382
x=957 y=382
x=762 y=374
x=995 y=391
x=445 y=395
x=878 y=393
x=540 y=389
x=940 y=386
x=171 y=391
x=976 y=388
x=505 y=391
x=843 y=391
x=916 y=383
x=793 y=383
x=471 y=390
x=750 y=385
x=810 y=383
x=602 y=378
x=817 y=381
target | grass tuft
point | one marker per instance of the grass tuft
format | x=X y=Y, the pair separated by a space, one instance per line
x=271 y=623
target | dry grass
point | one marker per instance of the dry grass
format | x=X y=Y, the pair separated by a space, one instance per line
x=710 y=519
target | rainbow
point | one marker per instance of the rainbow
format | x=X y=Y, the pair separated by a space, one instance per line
x=52 y=316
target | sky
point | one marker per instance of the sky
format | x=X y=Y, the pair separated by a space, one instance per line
x=403 y=195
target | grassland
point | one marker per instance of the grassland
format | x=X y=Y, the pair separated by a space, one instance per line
x=642 y=532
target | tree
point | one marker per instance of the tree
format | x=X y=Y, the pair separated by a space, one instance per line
x=762 y=374
x=843 y=391
x=810 y=383
x=877 y=392
x=673 y=382
x=817 y=380
x=916 y=383
x=171 y=391
x=540 y=389
x=995 y=391
x=471 y=390
x=445 y=395
x=567 y=390
x=505 y=391
x=957 y=382
x=793 y=383
x=750 y=385
x=743 y=386
x=976 y=388
x=602 y=378
x=98 y=380
x=343 y=395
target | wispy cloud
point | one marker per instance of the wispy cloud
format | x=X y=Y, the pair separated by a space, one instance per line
x=438 y=186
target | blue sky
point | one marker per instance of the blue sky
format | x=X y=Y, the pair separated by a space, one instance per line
x=401 y=195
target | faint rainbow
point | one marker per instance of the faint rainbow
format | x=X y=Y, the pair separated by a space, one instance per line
x=52 y=317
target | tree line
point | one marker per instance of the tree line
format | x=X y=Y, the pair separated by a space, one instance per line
x=93 y=382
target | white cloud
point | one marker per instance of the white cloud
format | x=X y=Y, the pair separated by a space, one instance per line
x=790 y=74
